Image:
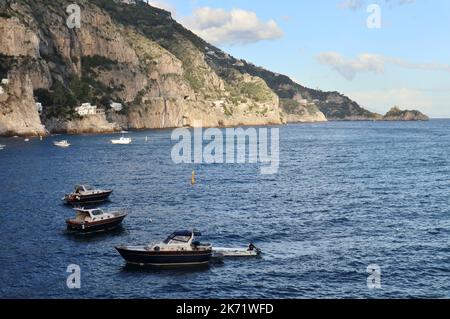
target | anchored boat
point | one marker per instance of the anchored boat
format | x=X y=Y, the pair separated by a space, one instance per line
x=2 y=147
x=123 y=140
x=86 y=194
x=88 y=220
x=63 y=143
x=179 y=249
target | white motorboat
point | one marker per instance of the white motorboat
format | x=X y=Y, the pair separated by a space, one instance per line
x=95 y=220
x=2 y=147
x=63 y=143
x=123 y=140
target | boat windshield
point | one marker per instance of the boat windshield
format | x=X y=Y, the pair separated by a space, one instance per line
x=174 y=237
x=83 y=188
x=96 y=212
x=79 y=189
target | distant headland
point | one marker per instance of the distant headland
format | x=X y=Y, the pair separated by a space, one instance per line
x=396 y=114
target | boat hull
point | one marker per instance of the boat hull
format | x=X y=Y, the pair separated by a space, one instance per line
x=118 y=142
x=95 y=226
x=161 y=258
x=83 y=199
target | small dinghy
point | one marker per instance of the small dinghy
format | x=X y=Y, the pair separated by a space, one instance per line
x=250 y=251
x=122 y=141
x=89 y=220
x=63 y=143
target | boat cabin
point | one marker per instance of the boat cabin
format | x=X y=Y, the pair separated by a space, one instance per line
x=83 y=189
x=181 y=237
x=90 y=215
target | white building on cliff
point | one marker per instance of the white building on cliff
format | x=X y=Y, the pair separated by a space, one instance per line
x=4 y=82
x=39 y=107
x=86 y=109
x=116 y=107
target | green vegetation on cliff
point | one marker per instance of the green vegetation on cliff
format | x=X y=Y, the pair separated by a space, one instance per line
x=5 y=65
x=60 y=102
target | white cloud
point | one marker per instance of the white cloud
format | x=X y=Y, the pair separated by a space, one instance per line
x=398 y=2
x=369 y=62
x=162 y=5
x=348 y=68
x=237 y=26
x=359 y=4
x=351 y=4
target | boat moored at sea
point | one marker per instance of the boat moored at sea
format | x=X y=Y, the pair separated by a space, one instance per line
x=63 y=143
x=179 y=249
x=122 y=141
x=89 y=220
x=2 y=147
x=84 y=194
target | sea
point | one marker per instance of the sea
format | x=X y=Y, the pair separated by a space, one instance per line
x=356 y=210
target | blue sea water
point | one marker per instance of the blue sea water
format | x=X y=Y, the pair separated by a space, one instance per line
x=347 y=195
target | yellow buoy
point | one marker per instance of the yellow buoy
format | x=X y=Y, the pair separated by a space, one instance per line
x=193 y=178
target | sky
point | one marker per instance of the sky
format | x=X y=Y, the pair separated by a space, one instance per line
x=380 y=53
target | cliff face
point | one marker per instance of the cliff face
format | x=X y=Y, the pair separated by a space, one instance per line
x=163 y=74
x=18 y=114
x=396 y=114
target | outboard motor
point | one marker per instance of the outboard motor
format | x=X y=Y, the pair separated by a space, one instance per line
x=252 y=247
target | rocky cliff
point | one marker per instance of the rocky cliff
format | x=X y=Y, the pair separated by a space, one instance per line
x=137 y=55
x=396 y=114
